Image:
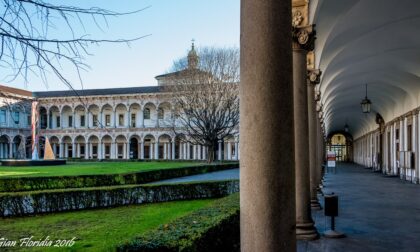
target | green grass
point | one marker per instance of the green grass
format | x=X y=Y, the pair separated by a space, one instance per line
x=97 y=230
x=88 y=168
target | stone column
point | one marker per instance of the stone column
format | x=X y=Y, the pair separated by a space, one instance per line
x=128 y=149
x=141 y=119
x=66 y=150
x=219 y=152
x=73 y=150
x=142 y=150
x=267 y=182
x=236 y=150
x=151 y=150
x=157 y=150
x=302 y=43
x=11 y=150
x=100 y=150
x=184 y=150
x=127 y=115
x=60 y=155
x=313 y=79
x=173 y=150
x=165 y=151
x=188 y=151
x=115 y=117
x=229 y=150
x=78 y=150
x=48 y=119
x=87 y=119
x=74 y=120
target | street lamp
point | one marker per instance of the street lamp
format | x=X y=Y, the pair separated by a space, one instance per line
x=346 y=128
x=366 y=103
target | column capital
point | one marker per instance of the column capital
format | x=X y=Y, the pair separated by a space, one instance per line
x=318 y=107
x=303 y=37
x=314 y=76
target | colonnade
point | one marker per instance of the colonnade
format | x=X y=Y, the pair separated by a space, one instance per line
x=393 y=149
x=279 y=180
x=166 y=150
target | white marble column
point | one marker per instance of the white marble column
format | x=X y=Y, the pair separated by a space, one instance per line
x=164 y=151
x=219 y=152
x=78 y=150
x=151 y=147
x=114 y=115
x=199 y=152
x=141 y=118
x=229 y=150
x=188 y=151
x=11 y=150
x=48 y=119
x=157 y=150
x=173 y=150
x=73 y=150
x=141 y=150
x=66 y=150
x=236 y=150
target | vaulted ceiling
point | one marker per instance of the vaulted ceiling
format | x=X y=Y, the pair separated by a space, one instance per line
x=374 y=42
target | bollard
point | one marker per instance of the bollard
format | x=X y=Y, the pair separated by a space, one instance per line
x=331 y=210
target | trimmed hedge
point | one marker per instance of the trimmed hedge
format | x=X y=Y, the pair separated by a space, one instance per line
x=30 y=203
x=215 y=228
x=62 y=182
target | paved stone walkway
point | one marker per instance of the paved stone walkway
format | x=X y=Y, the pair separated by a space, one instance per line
x=377 y=213
x=219 y=175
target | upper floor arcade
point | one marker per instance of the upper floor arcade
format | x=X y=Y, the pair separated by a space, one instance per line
x=121 y=108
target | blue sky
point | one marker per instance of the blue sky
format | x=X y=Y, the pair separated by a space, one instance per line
x=172 y=25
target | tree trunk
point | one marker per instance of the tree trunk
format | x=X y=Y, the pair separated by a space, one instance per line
x=210 y=154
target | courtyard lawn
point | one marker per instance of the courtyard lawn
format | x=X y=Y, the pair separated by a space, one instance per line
x=96 y=230
x=88 y=168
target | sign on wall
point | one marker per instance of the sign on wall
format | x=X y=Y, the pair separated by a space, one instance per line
x=331 y=158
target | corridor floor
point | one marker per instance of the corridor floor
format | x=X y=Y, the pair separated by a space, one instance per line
x=377 y=213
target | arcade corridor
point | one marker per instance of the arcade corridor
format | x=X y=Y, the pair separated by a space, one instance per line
x=377 y=213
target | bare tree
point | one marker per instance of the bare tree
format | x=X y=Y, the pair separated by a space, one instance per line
x=39 y=37
x=205 y=90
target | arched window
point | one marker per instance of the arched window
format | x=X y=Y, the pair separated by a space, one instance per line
x=146 y=113
x=161 y=113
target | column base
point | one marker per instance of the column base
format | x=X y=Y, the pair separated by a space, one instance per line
x=315 y=205
x=306 y=231
x=333 y=234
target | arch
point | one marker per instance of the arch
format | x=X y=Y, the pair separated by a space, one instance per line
x=149 y=142
x=55 y=145
x=134 y=151
x=341 y=143
x=150 y=114
x=121 y=147
x=164 y=111
x=93 y=139
x=164 y=146
x=107 y=115
x=93 y=115
x=67 y=117
x=43 y=117
x=66 y=139
x=55 y=117
x=135 y=119
x=180 y=140
x=106 y=143
x=4 y=146
x=121 y=114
